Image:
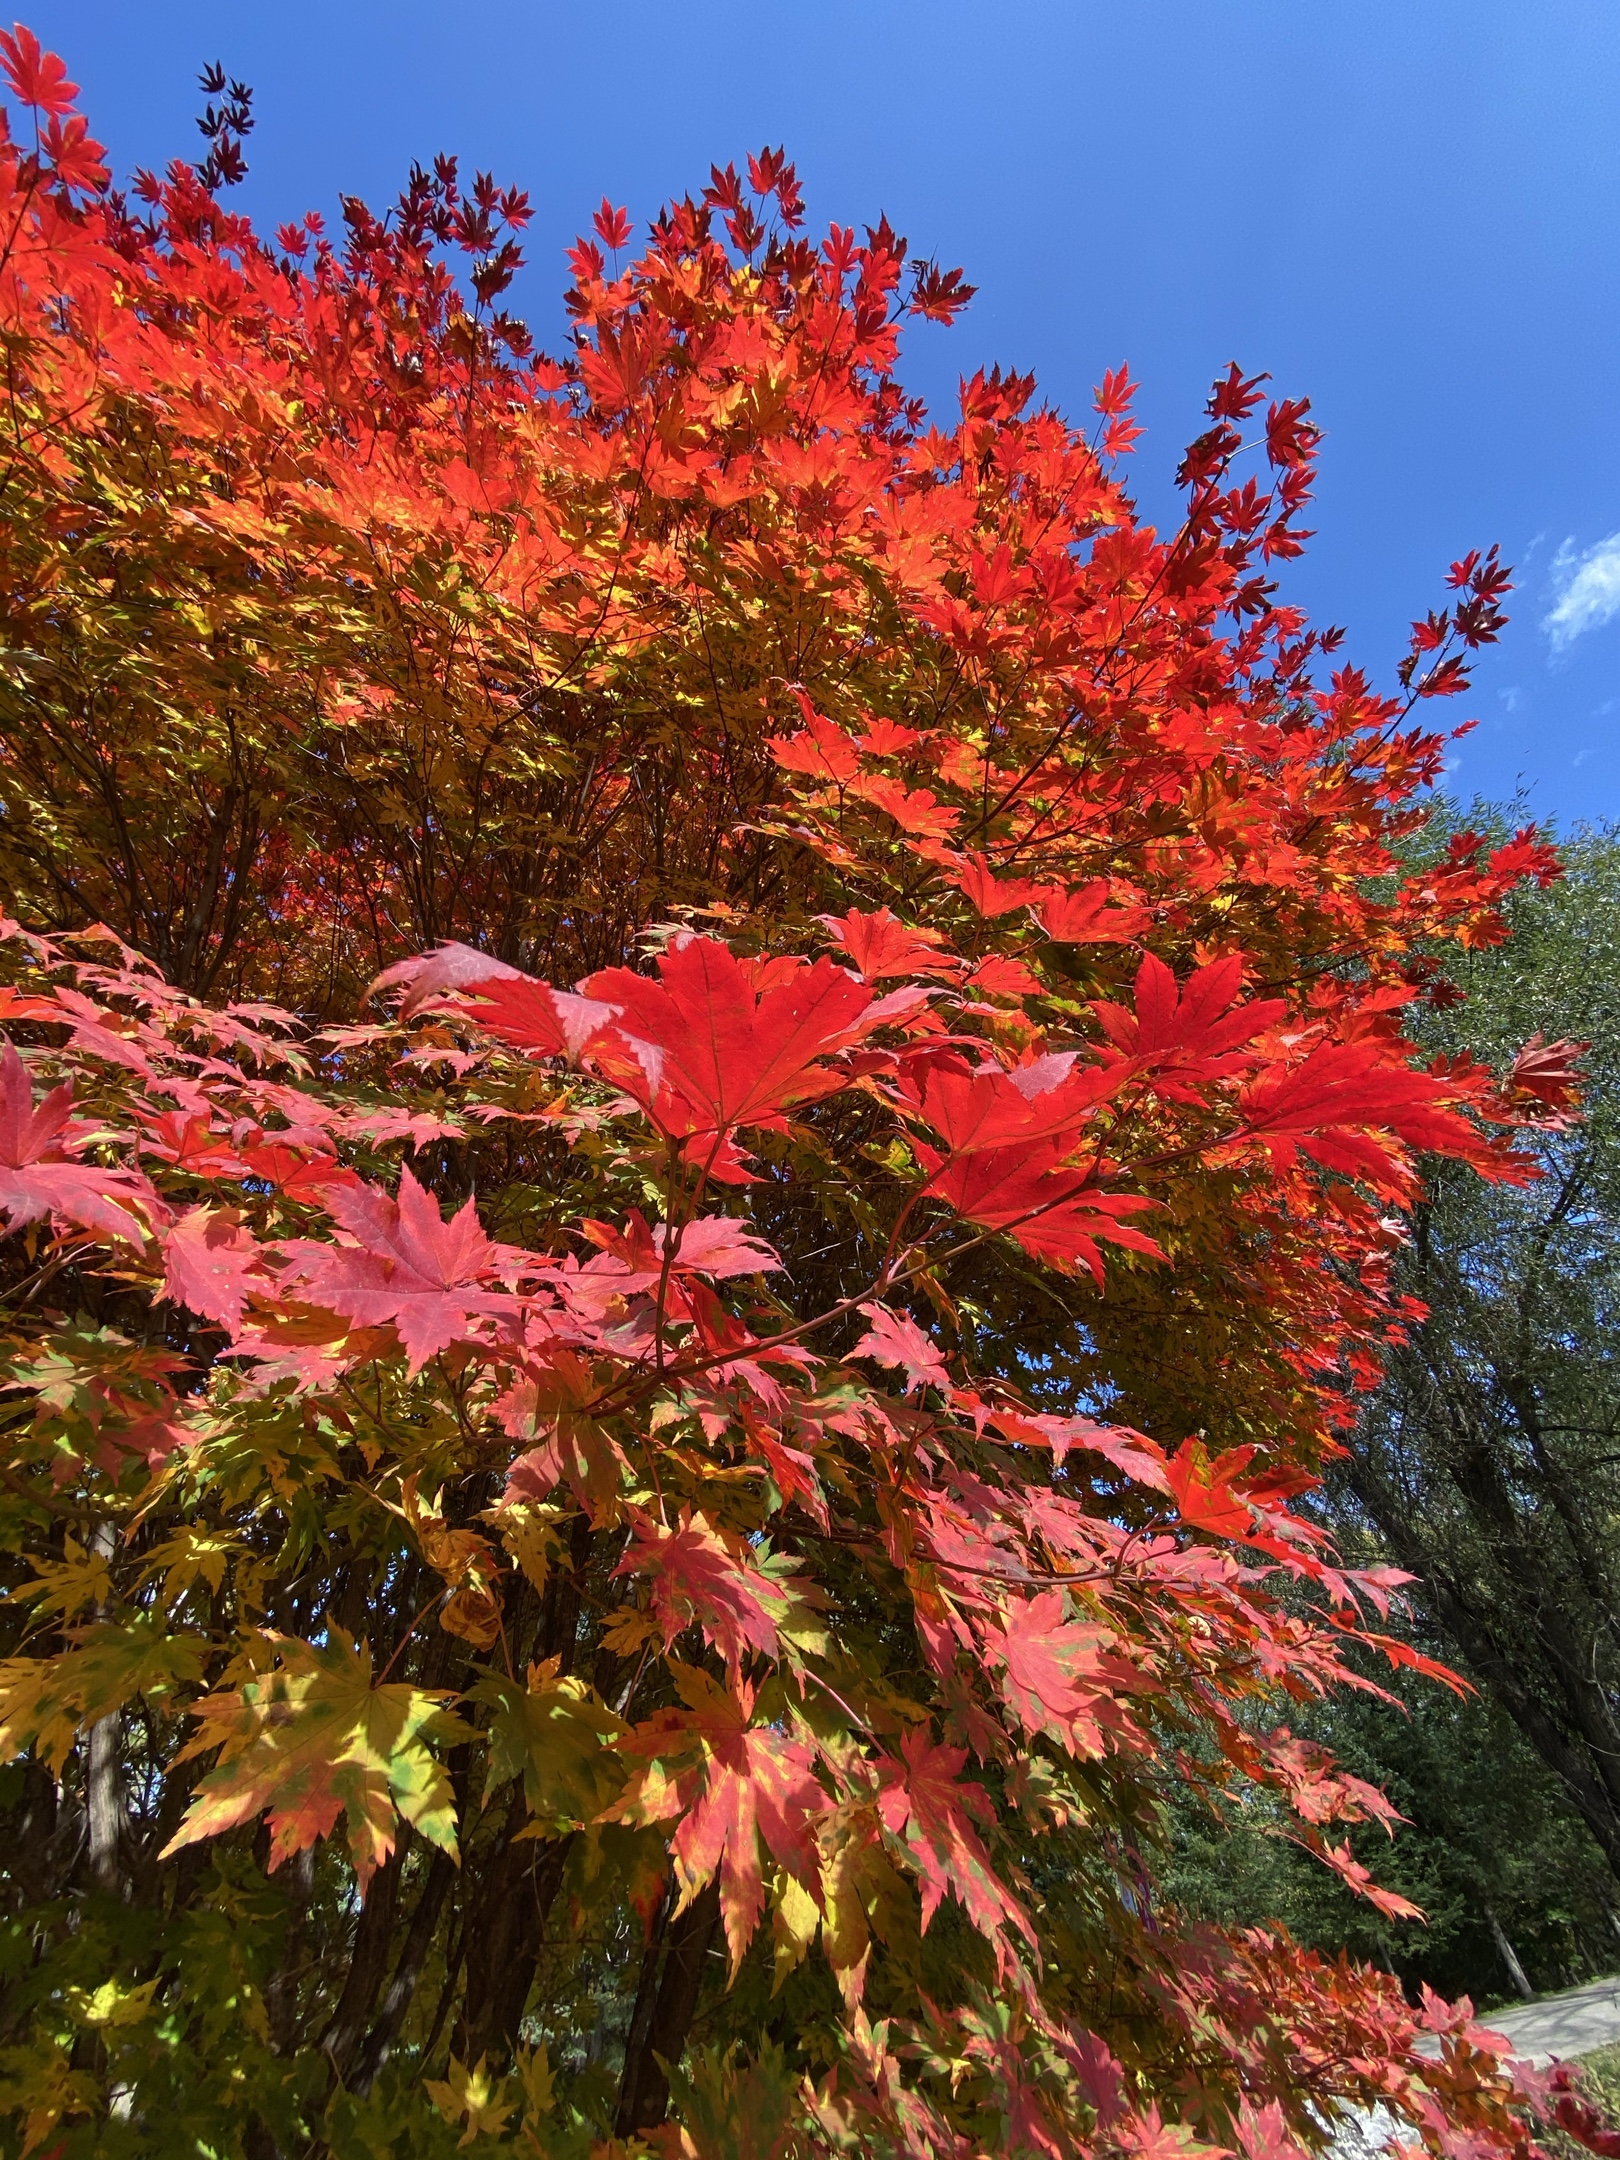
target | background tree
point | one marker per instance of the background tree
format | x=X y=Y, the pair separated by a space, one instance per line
x=1497 y=1412
x=1507 y=1876
x=1487 y=1462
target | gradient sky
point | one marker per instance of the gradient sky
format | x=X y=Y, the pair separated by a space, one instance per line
x=1407 y=212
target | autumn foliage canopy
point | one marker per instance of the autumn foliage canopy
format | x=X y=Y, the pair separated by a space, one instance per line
x=703 y=1118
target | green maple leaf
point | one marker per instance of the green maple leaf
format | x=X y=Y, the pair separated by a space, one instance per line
x=555 y=1735
x=314 y=1739
x=476 y=2096
x=45 y=1701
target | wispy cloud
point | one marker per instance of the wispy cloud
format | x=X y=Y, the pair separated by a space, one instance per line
x=1588 y=587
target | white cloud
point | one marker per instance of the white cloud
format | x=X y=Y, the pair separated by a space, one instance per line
x=1588 y=591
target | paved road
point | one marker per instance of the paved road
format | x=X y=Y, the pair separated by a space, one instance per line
x=1556 y=2027
x=1562 y=2025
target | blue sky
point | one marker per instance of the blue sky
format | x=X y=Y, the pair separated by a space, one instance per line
x=1407 y=212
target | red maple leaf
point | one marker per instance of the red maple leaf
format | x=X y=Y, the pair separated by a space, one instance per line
x=1031 y=1194
x=533 y=1017
x=881 y=945
x=718 y=1246
x=927 y=1803
x=189 y=1141
x=1347 y=1085
x=697 y=1577
x=209 y=1261
x=1062 y=1676
x=914 y=810
x=38 y=78
x=896 y=1339
x=993 y=1108
x=711 y=1055
x=1546 y=1073
x=299 y=1172
x=1197 y=1026
x=430 y=975
x=1576 y=2114
x=991 y=895
x=754 y=1783
x=71 y=151
x=29 y=1134
x=1009 y=1135
x=1203 y=1488
x=998 y=977
x=1359 y=1879
x=613 y=226
x=1085 y=914
x=413 y=1270
x=887 y=738
x=37 y=1176
x=822 y=751
x=1263 y=2133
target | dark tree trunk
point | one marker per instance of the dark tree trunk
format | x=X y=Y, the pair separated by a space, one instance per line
x=654 y=2049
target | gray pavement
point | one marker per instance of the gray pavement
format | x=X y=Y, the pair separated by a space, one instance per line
x=1555 y=2028
x=1558 y=2027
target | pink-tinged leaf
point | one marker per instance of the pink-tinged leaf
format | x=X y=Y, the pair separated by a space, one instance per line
x=38 y=1181
x=1359 y=1879
x=1101 y=2078
x=94 y=1199
x=925 y=1803
x=1263 y=2134
x=419 y=1127
x=895 y=1339
x=718 y=1246
x=1062 y=1677
x=753 y=1785
x=697 y=1577
x=1131 y=1453
x=430 y=975
x=209 y=1261
x=27 y=1134
x=412 y=1270
x=532 y=1017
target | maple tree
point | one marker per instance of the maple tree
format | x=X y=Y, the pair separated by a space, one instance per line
x=705 y=1119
